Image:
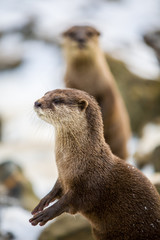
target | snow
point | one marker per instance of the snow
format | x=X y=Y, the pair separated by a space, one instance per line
x=16 y=220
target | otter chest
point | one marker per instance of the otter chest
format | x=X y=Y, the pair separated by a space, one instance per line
x=66 y=172
x=88 y=80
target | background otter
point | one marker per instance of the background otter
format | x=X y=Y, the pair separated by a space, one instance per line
x=87 y=70
x=117 y=199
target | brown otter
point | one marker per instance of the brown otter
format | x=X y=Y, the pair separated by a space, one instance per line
x=87 y=70
x=117 y=199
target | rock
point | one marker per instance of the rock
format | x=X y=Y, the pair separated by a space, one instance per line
x=142 y=160
x=152 y=157
x=153 y=40
x=28 y=28
x=155 y=158
x=141 y=96
x=47 y=37
x=68 y=227
x=6 y=236
x=0 y=129
x=10 y=60
x=24 y=25
x=16 y=186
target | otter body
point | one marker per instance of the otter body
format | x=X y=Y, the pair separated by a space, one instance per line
x=87 y=70
x=117 y=199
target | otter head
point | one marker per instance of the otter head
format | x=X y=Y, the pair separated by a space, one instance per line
x=80 y=40
x=72 y=111
x=62 y=108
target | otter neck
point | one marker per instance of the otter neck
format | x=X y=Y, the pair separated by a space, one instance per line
x=74 y=141
x=68 y=138
x=80 y=62
x=83 y=59
x=84 y=73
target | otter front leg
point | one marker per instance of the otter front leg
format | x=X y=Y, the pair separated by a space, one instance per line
x=63 y=205
x=55 y=193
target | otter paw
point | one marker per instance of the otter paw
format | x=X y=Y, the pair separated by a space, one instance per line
x=42 y=204
x=42 y=218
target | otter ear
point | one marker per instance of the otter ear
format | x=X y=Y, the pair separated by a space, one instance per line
x=82 y=104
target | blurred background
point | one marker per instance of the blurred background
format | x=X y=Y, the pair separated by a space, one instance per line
x=32 y=63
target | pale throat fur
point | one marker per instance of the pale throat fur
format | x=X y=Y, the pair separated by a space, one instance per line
x=71 y=141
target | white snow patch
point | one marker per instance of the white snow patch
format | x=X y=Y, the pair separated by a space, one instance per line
x=16 y=220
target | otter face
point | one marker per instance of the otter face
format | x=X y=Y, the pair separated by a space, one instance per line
x=80 y=39
x=61 y=108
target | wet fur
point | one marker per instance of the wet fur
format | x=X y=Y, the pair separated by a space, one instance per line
x=87 y=70
x=117 y=199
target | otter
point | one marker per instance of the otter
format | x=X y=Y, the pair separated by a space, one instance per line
x=116 y=198
x=87 y=70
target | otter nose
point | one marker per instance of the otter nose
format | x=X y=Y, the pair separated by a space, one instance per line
x=37 y=104
x=81 y=40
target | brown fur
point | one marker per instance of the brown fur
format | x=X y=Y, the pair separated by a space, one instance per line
x=117 y=199
x=87 y=70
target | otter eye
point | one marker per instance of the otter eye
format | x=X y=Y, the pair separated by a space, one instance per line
x=57 y=101
x=90 y=34
x=72 y=34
